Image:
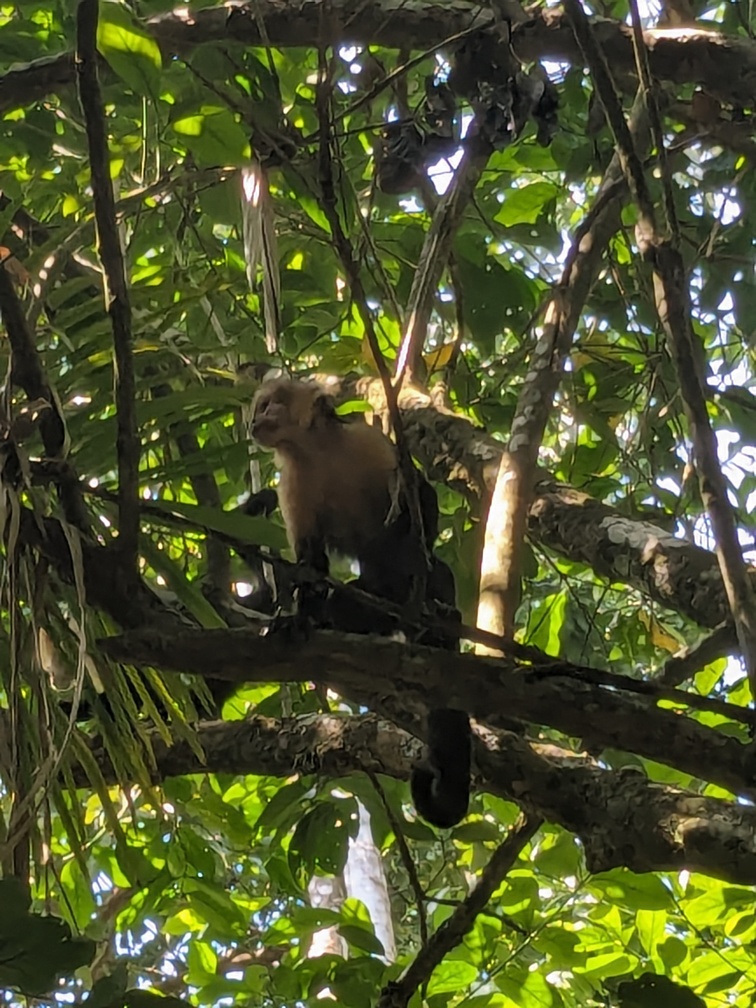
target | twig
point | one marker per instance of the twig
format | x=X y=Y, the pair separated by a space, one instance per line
x=674 y=310
x=405 y=856
x=352 y=270
x=654 y=117
x=397 y=994
x=643 y=687
x=119 y=309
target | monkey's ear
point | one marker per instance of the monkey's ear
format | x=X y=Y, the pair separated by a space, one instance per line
x=324 y=407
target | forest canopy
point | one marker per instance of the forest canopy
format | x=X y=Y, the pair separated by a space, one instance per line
x=517 y=239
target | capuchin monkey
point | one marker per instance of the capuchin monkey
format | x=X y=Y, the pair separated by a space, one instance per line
x=340 y=489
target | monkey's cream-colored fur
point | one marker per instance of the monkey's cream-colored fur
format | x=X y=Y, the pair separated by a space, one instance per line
x=338 y=480
x=340 y=490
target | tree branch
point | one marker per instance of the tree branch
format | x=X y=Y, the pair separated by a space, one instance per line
x=689 y=660
x=401 y=682
x=127 y=438
x=512 y=493
x=674 y=311
x=28 y=373
x=620 y=817
x=398 y=993
x=669 y=570
x=725 y=66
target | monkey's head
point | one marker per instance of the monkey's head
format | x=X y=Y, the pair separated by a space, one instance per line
x=285 y=409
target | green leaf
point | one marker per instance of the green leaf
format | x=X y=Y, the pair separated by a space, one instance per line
x=638 y=892
x=214 y=136
x=672 y=952
x=321 y=839
x=258 y=531
x=526 y=204
x=558 y=854
x=357 y=927
x=713 y=972
x=607 y=964
x=188 y=593
x=478 y=831
x=451 y=976
x=129 y=49
x=202 y=961
x=361 y=939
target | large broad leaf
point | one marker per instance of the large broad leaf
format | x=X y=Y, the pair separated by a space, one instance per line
x=259 y=531
x=639 y=892
x=320 y=841
x=525 y=204
x=214 y=136
x=131 y=52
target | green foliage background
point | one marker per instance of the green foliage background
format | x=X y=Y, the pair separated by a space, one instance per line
x=172 y=880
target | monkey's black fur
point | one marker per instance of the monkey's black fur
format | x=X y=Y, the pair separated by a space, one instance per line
x=440 y=785
x=393 y=556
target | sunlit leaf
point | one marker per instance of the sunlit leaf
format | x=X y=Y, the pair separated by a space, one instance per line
x=129 y=49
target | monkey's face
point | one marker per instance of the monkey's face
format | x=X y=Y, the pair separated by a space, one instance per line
x=284 y=410
x=271 y=418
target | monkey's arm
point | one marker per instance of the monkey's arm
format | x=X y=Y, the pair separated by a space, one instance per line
x=264 y=502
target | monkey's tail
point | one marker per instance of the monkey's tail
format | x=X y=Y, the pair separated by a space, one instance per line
x=441 y=784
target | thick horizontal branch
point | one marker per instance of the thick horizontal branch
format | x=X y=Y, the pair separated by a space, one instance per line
x=725 y=66
x=620 y=818
x=671 y=571
x=401 y=682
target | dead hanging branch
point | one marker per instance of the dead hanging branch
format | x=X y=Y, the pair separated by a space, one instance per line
x=674 y=310
x=507 y=516
x=397 y=994
x=117 y=293
x=434 y=256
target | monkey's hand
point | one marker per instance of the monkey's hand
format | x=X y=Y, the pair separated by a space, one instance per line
x=441 y=784
x=289 y=628
x=264 y=502
x=311 y=608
